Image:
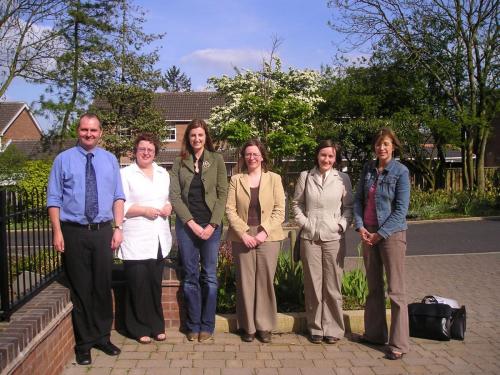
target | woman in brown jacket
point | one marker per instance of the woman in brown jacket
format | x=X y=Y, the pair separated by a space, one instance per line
x=322 y=205
x=255 y=209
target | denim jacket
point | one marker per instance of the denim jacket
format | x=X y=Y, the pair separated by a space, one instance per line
x=392 y=196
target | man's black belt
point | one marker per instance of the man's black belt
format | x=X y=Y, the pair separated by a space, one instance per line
x=92 y=226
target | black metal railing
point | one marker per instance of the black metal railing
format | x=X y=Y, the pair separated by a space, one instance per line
x=27 y=260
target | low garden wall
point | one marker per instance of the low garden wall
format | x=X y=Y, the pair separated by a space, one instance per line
x=39 y=339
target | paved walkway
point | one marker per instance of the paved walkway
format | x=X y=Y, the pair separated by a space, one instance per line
x=473 y=280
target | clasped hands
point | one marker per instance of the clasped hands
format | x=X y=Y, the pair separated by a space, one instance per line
x=152 y=213
x=370 y=239
x=251 y=242
x=199 y=231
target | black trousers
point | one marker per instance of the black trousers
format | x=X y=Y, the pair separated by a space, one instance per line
x=87 y=261
x=143 y=309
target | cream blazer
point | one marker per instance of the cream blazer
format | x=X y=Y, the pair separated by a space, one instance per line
x=325 y=206
x=272 y=205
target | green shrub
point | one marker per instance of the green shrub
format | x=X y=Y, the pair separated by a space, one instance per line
x=226 y=275
x=354 y=289
x=43 y=262
x=289 y=284
x=442 y=204
x=36 y=175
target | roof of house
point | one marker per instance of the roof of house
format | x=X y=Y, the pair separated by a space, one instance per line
x=178 y=106
x=181 y=106
x=9 y=111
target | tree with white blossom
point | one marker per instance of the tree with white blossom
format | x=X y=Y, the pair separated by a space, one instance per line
x=271 y=104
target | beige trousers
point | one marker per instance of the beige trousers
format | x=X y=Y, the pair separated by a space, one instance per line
x=255 y=299
x=323 y=266
x=389 y=253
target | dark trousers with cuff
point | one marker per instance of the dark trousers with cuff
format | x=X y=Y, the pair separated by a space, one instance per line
x=87 y=261
x=143 y=309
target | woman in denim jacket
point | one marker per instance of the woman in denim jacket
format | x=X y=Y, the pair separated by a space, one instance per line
x=380 y=206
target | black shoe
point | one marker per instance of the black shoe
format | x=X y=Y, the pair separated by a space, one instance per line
x=331 y=339
x=109 y=348
x=248 y=337
x=393 y=355
x=264 y=336
x=83 y=357
x=316 y=339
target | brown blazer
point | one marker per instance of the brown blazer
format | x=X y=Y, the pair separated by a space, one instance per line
x=272 y=204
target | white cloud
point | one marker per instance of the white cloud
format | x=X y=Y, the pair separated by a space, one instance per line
x=225 y=58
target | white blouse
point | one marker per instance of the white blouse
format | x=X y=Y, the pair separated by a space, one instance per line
x=141 y=235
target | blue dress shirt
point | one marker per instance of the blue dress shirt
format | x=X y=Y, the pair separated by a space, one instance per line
x=66 y=188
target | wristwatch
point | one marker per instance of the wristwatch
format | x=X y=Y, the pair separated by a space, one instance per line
x=118 y=227
x=215 y=226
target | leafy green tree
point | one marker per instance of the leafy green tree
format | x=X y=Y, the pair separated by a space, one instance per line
x=274 y=105
x=381 y=93
x=129 y=63
x=85 y=30
x=175 y=81
x=125 y=102
x=456 y=42
x=104 y=42
x=354 y=137
x=126 y=111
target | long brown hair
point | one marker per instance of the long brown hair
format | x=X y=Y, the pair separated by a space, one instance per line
x=186 y=148
x=262 y=150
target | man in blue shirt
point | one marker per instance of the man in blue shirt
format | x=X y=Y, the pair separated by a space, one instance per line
x=84 y=198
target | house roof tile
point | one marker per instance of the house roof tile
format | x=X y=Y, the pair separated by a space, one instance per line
x=181 y=106
x=186 y=105
x=7 y=112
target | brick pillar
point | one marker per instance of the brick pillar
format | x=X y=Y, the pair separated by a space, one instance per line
x=172 y=295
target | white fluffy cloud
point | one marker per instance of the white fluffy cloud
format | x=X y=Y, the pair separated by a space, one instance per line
x=225 y=58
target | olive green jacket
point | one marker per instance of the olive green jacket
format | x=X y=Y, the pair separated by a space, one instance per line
x=214 y=179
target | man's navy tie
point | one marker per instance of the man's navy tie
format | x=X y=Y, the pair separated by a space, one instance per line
x=91 y=201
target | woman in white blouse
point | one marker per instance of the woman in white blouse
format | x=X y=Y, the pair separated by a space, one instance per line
x=146 y=240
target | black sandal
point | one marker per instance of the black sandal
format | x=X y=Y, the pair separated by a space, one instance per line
x=393 y=355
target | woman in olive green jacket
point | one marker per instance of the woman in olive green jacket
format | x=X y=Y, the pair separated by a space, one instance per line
x=198 y=192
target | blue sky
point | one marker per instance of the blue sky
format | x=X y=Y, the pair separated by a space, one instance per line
x=207 y=38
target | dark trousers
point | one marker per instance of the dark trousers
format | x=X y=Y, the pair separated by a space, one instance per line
x=87 y=261
x=143 y=309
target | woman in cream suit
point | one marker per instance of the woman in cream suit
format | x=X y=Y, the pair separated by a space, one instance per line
x=322 y=205
x=255 y=209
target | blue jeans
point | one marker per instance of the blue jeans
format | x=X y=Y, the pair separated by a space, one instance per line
x=199 y=284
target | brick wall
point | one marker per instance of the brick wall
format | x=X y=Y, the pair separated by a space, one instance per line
x=39 y=337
